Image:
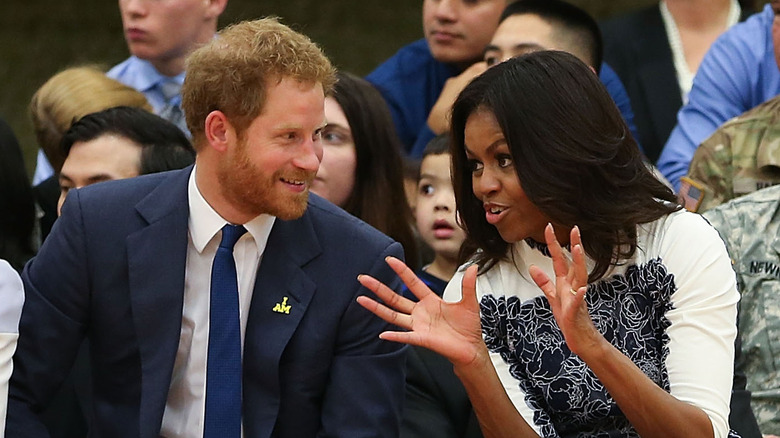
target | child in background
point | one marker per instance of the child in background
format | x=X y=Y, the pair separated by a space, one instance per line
x=436 y=404
x=435 y=215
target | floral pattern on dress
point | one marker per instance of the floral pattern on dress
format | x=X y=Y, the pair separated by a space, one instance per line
x=566 y=396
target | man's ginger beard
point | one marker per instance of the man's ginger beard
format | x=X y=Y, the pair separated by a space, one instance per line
x=254 y=192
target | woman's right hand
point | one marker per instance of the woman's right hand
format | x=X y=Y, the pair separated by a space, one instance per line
x=450 y=329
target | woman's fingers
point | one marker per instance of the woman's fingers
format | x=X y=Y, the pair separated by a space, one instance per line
x=579 y=268
x=469 y=285
x=389 y=296
x=417 y=286
x=389 y=315
x=543 y=282
x=560 y=262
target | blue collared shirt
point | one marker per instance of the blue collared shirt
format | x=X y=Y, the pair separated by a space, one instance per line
x=738 y=73
x=142 y=76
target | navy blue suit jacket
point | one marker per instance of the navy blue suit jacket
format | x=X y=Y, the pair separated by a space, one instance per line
x=113 y=270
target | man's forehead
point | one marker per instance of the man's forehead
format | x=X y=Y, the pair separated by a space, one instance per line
x=524 y=29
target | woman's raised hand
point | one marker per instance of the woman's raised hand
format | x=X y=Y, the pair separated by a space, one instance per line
x=566 y=294
x=450 y=329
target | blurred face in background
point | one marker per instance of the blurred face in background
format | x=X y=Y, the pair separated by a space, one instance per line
x=525 y=33
x=457 y=31
x=517 y=35
x=164 y=32
x=105 y=158
x=335 y=178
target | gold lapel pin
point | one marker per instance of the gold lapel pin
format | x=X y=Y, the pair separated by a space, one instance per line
x=282 y=307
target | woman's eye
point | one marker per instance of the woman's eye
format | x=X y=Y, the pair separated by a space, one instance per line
x=474 y=166
x=504 y=161
x=331 y=137
x=335 y=136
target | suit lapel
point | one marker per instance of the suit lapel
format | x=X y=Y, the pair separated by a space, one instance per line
x=157 y=261
x=282 y=293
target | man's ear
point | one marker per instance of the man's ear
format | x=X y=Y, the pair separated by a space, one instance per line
x=219 y=131
x=214 y=8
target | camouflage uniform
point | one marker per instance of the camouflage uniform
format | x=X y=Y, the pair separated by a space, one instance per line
x=742 y=156
x=750 y=227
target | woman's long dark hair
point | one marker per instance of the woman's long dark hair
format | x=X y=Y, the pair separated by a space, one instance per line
x=378 y=197
x=17 y=205
x=573 y=154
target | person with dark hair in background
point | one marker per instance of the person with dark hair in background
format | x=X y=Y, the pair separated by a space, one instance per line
x=361 y=167
x=436 y=404
x=422 y=79
x=63 y=99
x=595 y=304
x=17 y=204
x=117 y=143
x=531 y=25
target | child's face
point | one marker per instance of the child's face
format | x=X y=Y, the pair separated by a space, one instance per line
x=435 y=210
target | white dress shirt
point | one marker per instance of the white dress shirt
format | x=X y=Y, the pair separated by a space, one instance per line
x=184 y=411
x=11 y=301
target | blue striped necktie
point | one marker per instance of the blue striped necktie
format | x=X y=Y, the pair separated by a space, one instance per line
x=223 y=375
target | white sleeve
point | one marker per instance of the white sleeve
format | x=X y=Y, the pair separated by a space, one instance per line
x=11 y=301
x=453 y=293
x=703 y=319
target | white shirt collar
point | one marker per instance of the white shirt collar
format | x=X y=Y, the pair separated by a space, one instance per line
x=205 y=222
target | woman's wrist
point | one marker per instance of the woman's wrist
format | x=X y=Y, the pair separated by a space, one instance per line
x=476 y=368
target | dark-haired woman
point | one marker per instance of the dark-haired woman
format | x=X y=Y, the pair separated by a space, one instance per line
x=17 y=203
x=361 y=167
x=594 y=305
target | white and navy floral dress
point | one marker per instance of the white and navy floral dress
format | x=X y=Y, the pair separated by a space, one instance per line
x=671 y=309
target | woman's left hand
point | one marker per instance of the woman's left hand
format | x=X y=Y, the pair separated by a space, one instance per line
x=566 y=294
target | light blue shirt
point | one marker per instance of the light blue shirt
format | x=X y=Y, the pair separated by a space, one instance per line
x=738 y=73
x=136 y=73
x=141 y=75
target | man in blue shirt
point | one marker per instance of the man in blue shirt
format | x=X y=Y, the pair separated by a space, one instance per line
x=739 y=72
x=159 y=35
x=422 y=79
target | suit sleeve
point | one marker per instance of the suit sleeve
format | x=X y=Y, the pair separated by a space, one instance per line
x=366 y=383
x=52 y=323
